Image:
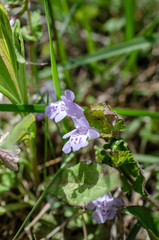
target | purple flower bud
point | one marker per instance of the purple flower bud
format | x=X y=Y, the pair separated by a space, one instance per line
x=105 y=208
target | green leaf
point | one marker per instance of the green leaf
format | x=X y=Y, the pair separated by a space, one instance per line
x=119 y=145
x=55 y=76
x=101 y=117
x=126 y=186
x=19 y=50
x=123 y=48
x=134 y=231
x=13 y=207
x=120 y=125
x=122 y=157
x=7 y=180
x=24 y=130
x=18 y=42
x=84 y=182
x=36 y=33
x=7 y=54
x=91 y=10
x=99 y=157
x=7 y=86
x=149 y=136
x=139 y=185
x=125 y=161
x=114 y=24
x=147 y=218
x=144 y=158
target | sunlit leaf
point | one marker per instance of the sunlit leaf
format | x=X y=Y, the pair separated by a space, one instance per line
x=82 y=183
x=8 y=56
x=7 y=86
x=101 y=117
x=19 y=50
x=24 y=130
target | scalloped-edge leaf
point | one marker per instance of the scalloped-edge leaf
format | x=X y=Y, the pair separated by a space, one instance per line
x=82 y=183
x=101 y=117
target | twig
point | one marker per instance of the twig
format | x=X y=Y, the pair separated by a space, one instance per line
x=84 y=227
x=36 y=219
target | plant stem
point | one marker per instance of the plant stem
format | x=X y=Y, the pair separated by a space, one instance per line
x=84 y=227
x=45 y=147
x=34 y=161
x=152 y=202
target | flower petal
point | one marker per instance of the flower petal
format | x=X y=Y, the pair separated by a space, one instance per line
x=111 y=212
x=67 y=147
x=90 y=206
x=78 y=141
x=54 y=108
x=69 y=95
x=81 y=123
x=69 y=134
x=60 y=116
x=117 y=202
x=92 y=133
x=98 y=216
x=50 y=112
x=73 y=110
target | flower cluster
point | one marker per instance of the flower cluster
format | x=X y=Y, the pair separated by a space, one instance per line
x=66 y=107
x=105 y=208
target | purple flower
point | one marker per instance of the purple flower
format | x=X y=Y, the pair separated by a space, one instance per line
x=78 y=137
x=104 y=208
x=60 y=109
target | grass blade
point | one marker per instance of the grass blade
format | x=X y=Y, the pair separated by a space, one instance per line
x=68 y=17
x=36 y=108
x=124 y=48
x=129 y=6
x=110 y=52
x=56 y=80
x=38 y=202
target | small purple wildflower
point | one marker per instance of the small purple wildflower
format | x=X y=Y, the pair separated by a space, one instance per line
x=60 y=109
x=105 y=208
x=78 y=137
